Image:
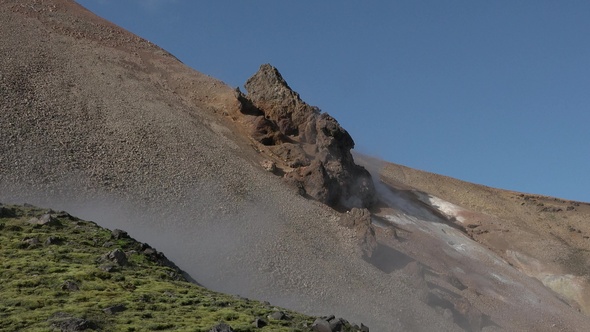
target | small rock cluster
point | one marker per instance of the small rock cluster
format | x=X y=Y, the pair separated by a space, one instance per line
x=116 y=258
x=321 y=324
x=333 y=324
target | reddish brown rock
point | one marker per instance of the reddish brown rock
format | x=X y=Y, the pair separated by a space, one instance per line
x=310 y=141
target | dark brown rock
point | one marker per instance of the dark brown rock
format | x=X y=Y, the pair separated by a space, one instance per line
x=114 y=309
x=325 y=167
x=292 y=154
x=277 y=315
x=259 y=323
x=118 y=256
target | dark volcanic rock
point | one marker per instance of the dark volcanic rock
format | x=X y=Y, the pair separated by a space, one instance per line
x=259 y=323
x=292 y=154
x=70 y=286
x=268 y=91
x=118 y=256
x=221 y=328
x=266 y=132
x=119 y=234
x=6 y=212
x=68 y=323
x=52 y=240
x=310 y=142
x=277 y=315
x=114 y=309
x=321 y=325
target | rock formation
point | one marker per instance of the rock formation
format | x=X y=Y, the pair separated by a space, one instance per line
x=312 y=146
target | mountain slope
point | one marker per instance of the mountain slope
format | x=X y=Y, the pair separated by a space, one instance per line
x=547 y=238
x=102 y=123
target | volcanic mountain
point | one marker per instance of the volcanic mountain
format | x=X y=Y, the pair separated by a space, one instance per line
x=257 y=193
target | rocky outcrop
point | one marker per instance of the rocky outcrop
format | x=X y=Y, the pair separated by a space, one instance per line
x=313 y=148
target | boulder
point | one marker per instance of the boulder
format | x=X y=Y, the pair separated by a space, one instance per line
x=67 y=323
x=337 y=324
x=292 y=154
x=70 y=286
x=114 y=309
x=119 y=234
x=117 y=256
x=46 y=219
x=277 y=315
x=271 y=94
x=265 y=131
x=317 y=183
x=268 y=165
x=321 y=325
x=222 y=327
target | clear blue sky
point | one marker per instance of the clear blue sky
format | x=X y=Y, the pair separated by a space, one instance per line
x=491 y=92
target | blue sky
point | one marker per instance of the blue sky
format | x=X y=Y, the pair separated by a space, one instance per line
x=491 y=92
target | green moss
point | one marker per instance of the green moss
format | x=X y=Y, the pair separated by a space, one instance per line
x=32 y=279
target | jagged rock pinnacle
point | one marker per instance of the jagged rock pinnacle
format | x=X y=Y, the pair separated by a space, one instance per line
x=314 y=146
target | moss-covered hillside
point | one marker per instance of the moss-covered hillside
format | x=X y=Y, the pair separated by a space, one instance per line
x=58 y=272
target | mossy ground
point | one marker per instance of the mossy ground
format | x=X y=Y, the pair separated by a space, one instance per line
x=33 y=274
